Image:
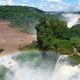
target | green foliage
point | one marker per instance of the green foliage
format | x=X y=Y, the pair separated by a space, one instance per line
x=23 y=17
x=75 y=30
x=53 y=34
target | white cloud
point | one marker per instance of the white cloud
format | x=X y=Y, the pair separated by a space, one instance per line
x=52 y=0
x=9 y=2
x=6 y=2
x=52 y=5
x=2 y=2
x=47 y=5
x=57 y=5
x=56 y=0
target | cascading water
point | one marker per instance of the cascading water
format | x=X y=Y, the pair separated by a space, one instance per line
x=39 y=69
x=72 y=19
x=64 y=71
x=9 y=63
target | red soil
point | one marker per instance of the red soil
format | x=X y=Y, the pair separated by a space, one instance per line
x=11 y=39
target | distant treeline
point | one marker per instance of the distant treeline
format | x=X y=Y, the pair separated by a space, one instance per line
x=22 y=16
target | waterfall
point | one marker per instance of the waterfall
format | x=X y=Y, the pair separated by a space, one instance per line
x=72 y=19
x=62 y=70
x=9 y=63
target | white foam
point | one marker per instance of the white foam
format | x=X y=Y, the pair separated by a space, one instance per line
x=62 y=70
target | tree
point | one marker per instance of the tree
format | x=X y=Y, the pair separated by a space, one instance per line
x=44 y=34
x=47 y=30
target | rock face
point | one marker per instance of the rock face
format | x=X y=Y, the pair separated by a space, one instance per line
x=11 y=39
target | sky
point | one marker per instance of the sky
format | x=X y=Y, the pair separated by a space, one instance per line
x=46 y=5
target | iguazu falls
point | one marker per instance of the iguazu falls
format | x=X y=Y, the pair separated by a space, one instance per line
x=31 y=65
x=39 y=39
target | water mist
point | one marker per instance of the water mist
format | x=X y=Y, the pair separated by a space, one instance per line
x=72 y=19
x=38 y=69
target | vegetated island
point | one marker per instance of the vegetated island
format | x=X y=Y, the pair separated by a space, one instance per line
x=52 y=32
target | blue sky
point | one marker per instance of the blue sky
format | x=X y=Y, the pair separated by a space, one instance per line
x=46 y=5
